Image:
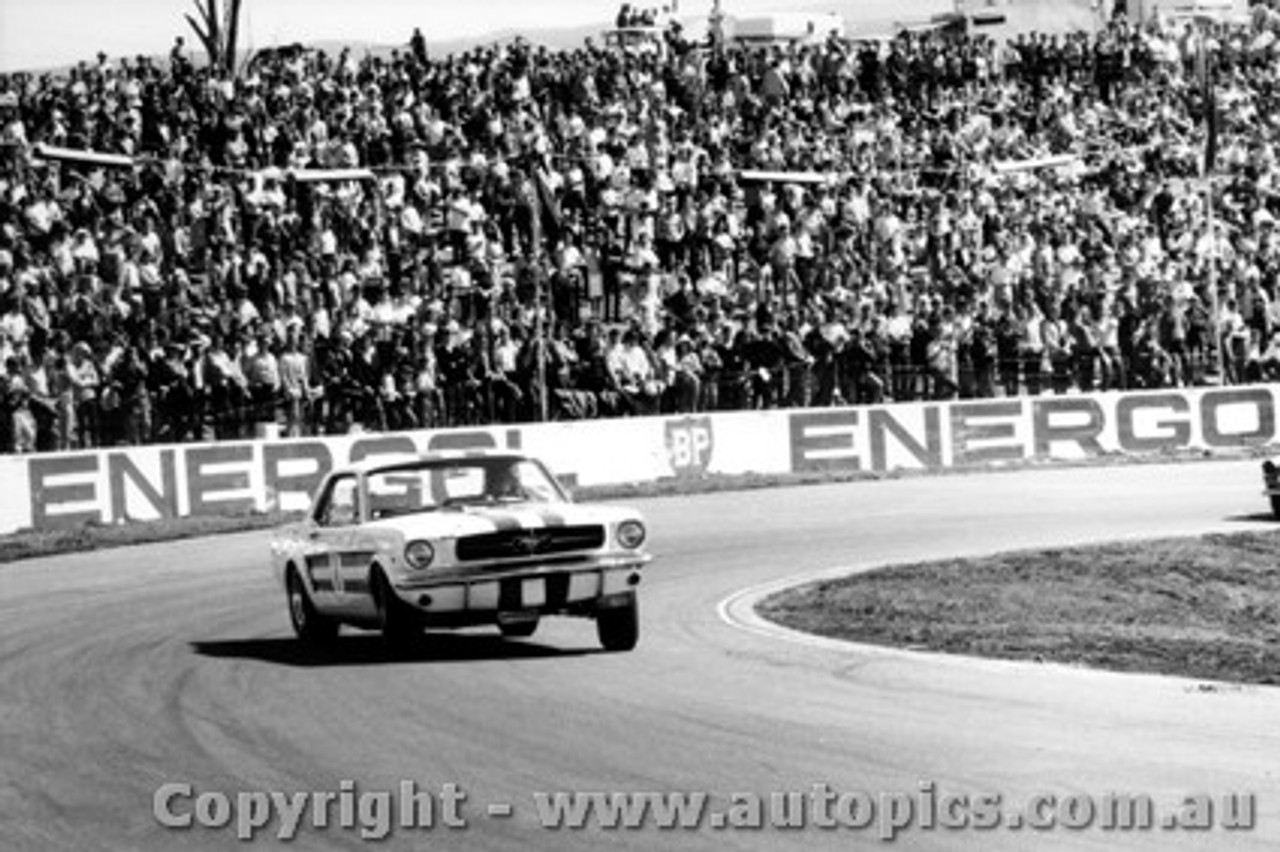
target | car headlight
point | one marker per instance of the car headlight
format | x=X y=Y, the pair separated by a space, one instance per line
x=631 y=534
x=419 y=554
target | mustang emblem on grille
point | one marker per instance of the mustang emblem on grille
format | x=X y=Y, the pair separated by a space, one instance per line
x=529 y=542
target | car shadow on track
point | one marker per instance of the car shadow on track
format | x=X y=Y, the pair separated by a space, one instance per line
x=1252 y=518
x=369 y=649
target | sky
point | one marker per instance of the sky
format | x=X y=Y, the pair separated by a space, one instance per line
x=36 y=34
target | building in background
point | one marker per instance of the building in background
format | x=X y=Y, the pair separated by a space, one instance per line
x=1008 y=17
x=1216 y=10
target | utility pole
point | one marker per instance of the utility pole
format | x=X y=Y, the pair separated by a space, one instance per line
x=1215 y=318
x=541 y=332
x=537 y=254
x=1210 y=156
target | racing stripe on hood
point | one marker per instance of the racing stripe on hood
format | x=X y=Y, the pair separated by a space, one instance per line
x=528 y=518
x=503 y=521
x=550 y=517
x=522 y=517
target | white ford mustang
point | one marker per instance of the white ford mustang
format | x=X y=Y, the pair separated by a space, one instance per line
x=456 y=539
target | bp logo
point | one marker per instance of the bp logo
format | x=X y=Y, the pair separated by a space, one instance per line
x=690 y=442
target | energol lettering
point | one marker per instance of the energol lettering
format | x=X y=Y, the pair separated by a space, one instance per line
x=123 y=485
x=977 y=432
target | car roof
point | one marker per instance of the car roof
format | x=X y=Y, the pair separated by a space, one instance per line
x=390 y=460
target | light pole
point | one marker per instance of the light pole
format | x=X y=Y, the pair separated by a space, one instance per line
x=541 y=334
x=1210 y=107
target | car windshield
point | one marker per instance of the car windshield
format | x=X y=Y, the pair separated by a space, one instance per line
x=454 y=483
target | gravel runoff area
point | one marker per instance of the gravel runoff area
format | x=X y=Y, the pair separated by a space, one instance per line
x=1206 y=607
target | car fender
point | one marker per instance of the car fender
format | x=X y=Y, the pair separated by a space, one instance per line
x=286 y=549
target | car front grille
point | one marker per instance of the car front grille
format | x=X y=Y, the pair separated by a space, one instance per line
x=526 y=543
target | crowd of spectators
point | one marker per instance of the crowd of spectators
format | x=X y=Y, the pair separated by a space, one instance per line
x=329 y=242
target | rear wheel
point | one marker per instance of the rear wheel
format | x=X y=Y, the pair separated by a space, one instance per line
x=308 y=624
x=519 y=629
x=396 y=620
x=619 y=627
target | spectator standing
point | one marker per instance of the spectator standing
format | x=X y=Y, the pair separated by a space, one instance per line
x=1172 y=330
x=129 y=378
x=1032 y=346
x=22 y=423
x=635 y=376
x=823 y=350
x=688 y=377
x=1008 y=336
x=170 y=387
x=983 y=352
x=43 y=399
x=262 y=375
x=899 y=331
x=1084 y=347
x=509 y=397
x=85 y=381
x=1058 y=355
x=295 y=386
x=712 y=375
x=942 y=355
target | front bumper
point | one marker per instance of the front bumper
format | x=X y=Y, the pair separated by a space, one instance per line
x=461 y=599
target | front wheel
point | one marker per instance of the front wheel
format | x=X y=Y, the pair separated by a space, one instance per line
x=396 y=620
x=1275 y=506
x=619 y=627
x=308 y=624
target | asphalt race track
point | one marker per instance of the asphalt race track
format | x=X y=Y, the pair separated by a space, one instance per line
x=122 y=671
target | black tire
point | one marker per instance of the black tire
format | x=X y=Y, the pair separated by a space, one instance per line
x=396 y=621
x=1275 y=506
x=519 y=629
x=308 y=625
x=619 y=627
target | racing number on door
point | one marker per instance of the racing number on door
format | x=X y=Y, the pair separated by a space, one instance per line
x=332 y=535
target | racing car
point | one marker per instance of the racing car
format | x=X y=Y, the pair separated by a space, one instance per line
x=457 y=539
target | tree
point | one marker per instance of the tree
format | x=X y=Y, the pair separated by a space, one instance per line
x=218 y=32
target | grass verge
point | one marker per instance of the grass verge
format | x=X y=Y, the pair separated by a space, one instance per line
x=32 y=544
x=1206 y=607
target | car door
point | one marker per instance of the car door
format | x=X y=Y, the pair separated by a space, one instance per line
x=331 y=535
x=317 y=560
x=352 y=549
x=319 y=566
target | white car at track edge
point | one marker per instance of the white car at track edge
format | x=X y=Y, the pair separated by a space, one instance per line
x=457 y=539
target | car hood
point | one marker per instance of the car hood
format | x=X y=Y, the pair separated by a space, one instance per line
x=475 y=520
